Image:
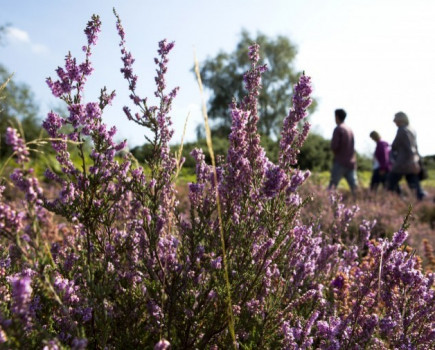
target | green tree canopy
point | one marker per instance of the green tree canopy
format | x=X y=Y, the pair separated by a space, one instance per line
x=223 y=76
x=17 y=104
x=3 y=29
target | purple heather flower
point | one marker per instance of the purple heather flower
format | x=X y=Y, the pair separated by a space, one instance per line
x=167 y=250
x=3 y=337
x=86 y=68
x=53 y=123
x=28 y=184
x=276 y=180
x=72 y=70
x=254 y=306
x=302 y=136
x=68 y=289
x=212 y=295
x=93 y=111
x=365 y=230
x=87 y=314
x=350 y=255
x=10 y=219
x=387 y=325
x=297 y=179
x=163 y=344
x=79 y=344
x=217 y=263
x=18 y=146
x=252 y=79
x=165 y=47
x=21 y=293
x=323 y=327
x=155 y=311
x=369 y=323
x=338 y=282
x=399 y=237
x=254 y=53
x=290 y=133
x=291 y=335
x=92 y=29
x=236 y=310
x=51 y=345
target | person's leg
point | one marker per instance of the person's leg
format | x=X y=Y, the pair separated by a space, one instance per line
x=352 y=180
x=383 y=179
x=393 y=182
x=414 y=184
x=336 y=175
x=375 y=180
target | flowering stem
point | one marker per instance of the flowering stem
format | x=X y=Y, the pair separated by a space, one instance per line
x=221 y=230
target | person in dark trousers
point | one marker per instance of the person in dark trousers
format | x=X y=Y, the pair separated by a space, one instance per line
x=343 y=147
x=405 y=158
x=381 y=162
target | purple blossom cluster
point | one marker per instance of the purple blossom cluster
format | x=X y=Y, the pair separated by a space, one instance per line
x=132 y=270
x=21 y=294
x=292 y=138
x=17 y=144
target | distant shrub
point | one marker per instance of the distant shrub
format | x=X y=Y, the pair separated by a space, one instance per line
x=316 y=153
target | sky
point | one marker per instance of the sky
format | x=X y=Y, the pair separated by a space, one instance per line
x=372 y=58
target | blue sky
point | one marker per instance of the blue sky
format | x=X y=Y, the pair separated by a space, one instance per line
x=373 y=58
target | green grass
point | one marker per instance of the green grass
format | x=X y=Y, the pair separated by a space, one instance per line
x=364 y=177
x=186 y=175
x=322 y=178
x=430 y=182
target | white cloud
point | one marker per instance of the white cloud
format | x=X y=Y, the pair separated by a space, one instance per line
x=20 y=36
x=39 y=49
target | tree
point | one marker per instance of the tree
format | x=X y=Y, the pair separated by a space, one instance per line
x=316 y=153
x=3 y=29
x=17 y=104
x=223 y=75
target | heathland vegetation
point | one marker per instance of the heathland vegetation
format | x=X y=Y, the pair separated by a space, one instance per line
x=105 y=248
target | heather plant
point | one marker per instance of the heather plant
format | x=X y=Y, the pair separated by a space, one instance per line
x=429 y=255
x=241 y=267
x=384 y=209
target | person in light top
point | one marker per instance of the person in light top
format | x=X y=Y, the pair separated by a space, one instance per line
x=405 y=158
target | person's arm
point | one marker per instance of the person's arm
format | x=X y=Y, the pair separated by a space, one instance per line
x=400 y=140
x=336 y=140
x=378 y=152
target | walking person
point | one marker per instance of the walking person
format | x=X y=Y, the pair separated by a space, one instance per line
x=381 y=162
x=405 y=158
x=343 y=147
